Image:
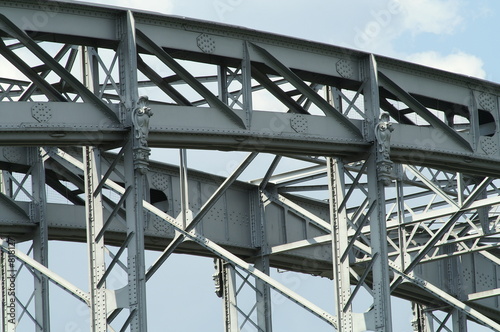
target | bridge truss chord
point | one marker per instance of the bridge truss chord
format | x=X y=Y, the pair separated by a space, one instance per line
x=380 y=175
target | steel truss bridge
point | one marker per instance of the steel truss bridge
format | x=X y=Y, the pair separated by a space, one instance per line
x=393 y=186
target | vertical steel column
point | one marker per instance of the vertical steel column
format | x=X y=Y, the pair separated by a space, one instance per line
x=40 y=239
x=184 y=192
x=377 y=178
x=455 y=287
x=474 y=121
x=333 y=97
x=402 y=233
x=422 y=319
x=340 y=241
x=95 y=222
x=94 y=209
x=229 y=297
x=4 y=268
x=246 y=82
x=262 y=289
x=264 y=306
x=263 y=292
x=222 y=82
x=8 y=275
x=135 y=115
x=459 y=320
x=8 y=318
x=5 y=183
x=460 y=189
x=135 y=179
x=483 y=214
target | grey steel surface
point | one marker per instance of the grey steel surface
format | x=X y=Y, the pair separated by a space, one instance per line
x=398 y=195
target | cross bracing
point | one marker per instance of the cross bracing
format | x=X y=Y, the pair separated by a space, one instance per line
x=396 y=192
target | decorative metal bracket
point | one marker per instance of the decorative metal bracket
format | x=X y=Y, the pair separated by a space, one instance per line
x=140 y=119
x=218 y=277
x=383 y=131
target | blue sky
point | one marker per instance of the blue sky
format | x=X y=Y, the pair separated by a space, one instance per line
x=455 y=35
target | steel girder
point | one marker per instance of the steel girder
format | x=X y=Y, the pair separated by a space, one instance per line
x=427 y=104
x=304 y=243
x=403 y=201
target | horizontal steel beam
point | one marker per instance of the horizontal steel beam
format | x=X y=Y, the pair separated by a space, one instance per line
x=94 y=22
x=483 y=295
x=185 y=126
x=67 y=222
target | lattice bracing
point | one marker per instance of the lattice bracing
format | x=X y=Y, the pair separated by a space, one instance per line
x=375 y=173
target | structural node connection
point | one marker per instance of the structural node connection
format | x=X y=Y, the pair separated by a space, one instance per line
x=380 y=175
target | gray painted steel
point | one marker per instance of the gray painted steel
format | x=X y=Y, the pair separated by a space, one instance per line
x=401 y=164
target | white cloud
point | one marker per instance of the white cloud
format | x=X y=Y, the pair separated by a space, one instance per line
x=458 y=62
x=431 y=16
x=380 y=25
